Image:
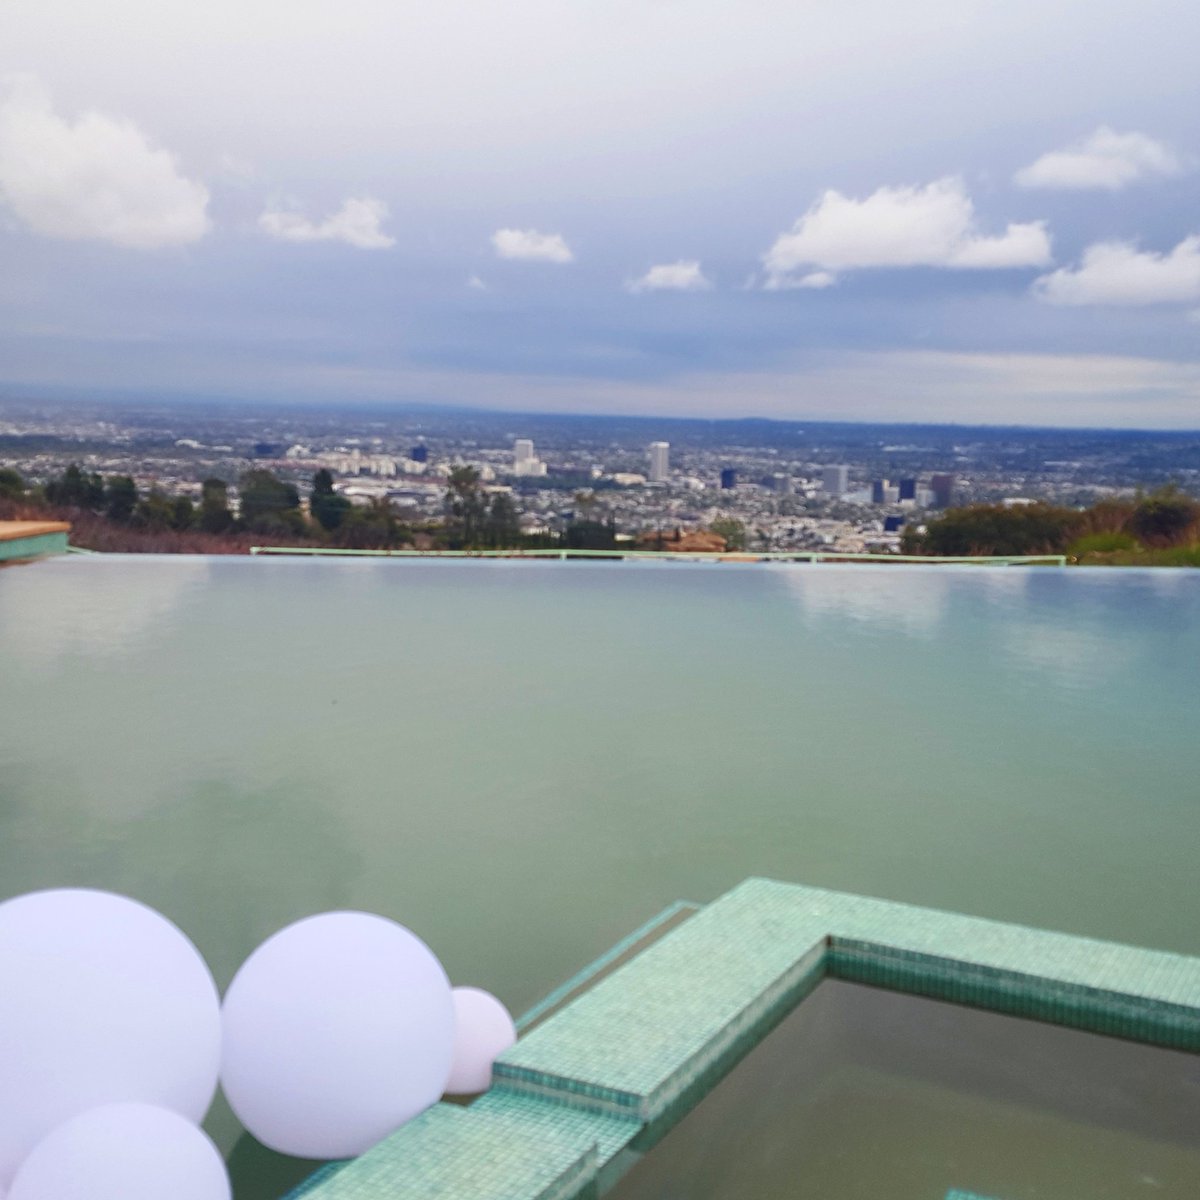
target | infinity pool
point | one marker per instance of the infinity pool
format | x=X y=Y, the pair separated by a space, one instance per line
x=525 y=761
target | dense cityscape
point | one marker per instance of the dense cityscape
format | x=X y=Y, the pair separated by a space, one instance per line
x=765 y=485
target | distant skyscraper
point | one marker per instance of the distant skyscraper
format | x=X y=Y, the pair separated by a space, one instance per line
x=879 y=490
x=525 y=461
x=660 y=467
x=729 y=478
x=419 y=454
x=908 y=489
x=942 y=487
x=836 y=480
x=893 y=524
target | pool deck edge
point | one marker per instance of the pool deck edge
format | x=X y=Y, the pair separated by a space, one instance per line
x=21 y=541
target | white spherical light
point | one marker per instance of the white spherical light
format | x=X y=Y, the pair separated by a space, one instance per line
x=103 y=1001
x=123 y=1152
x=483 y=1030
x=337 y=1030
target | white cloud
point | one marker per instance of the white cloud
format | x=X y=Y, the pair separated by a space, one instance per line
x=1105 y=159
x=814 y=279
x=97 y=178
x=476 y=284
x=1120 y=273
x=931 y=226
x=357 y=223
x=532 y=246
x=682 y=276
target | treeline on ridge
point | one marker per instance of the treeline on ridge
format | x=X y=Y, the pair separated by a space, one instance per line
x=111 y=513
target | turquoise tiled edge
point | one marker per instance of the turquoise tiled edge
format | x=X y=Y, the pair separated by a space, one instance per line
x=32 y=546
x=627 y=1057
x=456 y=1152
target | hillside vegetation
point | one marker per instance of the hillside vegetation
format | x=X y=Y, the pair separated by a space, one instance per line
x=1158 y=529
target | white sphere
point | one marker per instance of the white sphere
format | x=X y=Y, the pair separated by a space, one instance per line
x=337 y=1030
x=123 y=1152
x=103 y=1001
x=483 y=1031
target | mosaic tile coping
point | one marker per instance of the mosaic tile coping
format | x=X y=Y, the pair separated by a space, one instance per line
x=625 y=1058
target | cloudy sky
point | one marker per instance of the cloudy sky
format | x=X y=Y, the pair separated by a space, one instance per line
x=933 y=210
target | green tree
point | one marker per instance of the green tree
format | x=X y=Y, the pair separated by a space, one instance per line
x=268 y=505
x=12 y=486
x=74 y=489
x=466 y=508
x=183 y=513
x=1167 y=517
x=502 y=527
x=327 y=507
x=590 y=535
x=732 y=530
x=120 y=498
x=215 y=516
x=373 y=526
x=155 y=510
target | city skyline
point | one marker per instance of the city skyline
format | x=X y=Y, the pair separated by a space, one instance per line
x=774 y=485
x=553 y=209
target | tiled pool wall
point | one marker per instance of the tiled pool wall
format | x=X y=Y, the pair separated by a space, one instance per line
x=620 y=1063
x=21 y=541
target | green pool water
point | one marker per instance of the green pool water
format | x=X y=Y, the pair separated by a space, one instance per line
x=525 y=761
x=861 y=1093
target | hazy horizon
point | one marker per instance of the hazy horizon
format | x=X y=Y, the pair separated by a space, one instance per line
x=150 y=400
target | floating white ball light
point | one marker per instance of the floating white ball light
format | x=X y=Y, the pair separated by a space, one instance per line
x=103 y=1001
x=337 y=1030
x=483 y=1031
x=123 y=1152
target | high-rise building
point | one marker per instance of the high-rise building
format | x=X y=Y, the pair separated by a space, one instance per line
x=729 y=478
x=908 y=489
x=419 y=454
x=836 y=480
x=942 y=487
x=893 y=524
x=879 y=491
x=525 y=461
x=660 y=465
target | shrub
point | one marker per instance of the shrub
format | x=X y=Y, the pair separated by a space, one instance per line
x=1102 y=543
x=993 y=529
x=12 y=486
x=1167 y=517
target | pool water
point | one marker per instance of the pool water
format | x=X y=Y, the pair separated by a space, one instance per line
x=862 y=1093
x=525 y=761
